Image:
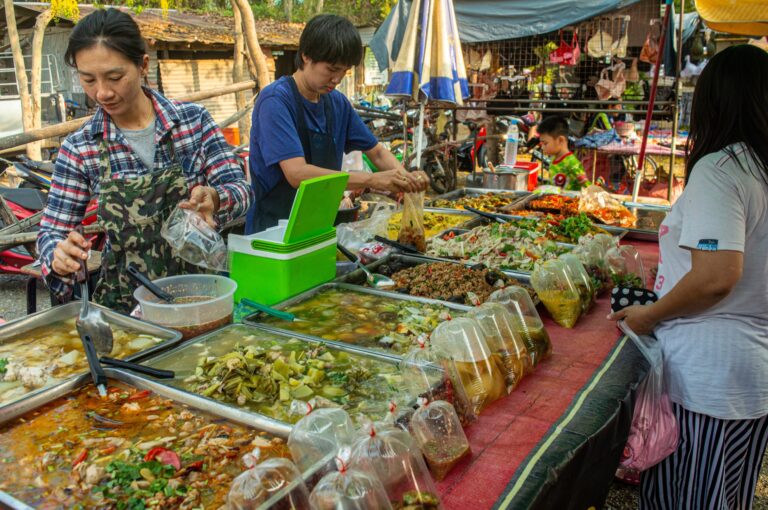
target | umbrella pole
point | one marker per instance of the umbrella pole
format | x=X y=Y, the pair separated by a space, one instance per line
x=654 y=84
x=676 y=106
x=405 y=136
x=420 y=134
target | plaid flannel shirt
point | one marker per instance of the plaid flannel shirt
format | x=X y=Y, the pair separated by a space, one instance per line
x=205 y=157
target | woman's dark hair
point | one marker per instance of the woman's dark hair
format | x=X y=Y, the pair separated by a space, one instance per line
x=730 y=105
x=330 y=38
x=111 y=27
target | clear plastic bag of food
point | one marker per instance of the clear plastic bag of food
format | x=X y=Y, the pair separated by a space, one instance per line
x=553 y=283
x=592 y=256
x=390 y=453
x=412 y=225
x=599 y=204
x=194 y=241
x=477 y=373
x=503 y=339
x=626 y=267
x=428 y=373
x=354 y=236
x=349 y=488
x=275 y=481
x=320 y=433
x=436 y=428
x=526 y=321
x=582 y=281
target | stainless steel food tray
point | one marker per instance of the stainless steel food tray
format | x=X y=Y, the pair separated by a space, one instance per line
x=279 y=427
x=251 y=420
x=357 y=277
x=13 y=329
x=640 y=210
x=475 y=192
x=253 y=319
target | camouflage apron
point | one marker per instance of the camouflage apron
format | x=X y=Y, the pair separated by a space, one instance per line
x=132 y=212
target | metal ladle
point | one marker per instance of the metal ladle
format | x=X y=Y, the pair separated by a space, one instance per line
x=91 y=322
x=375 y=280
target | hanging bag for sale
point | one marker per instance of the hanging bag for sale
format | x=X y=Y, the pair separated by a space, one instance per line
x=567 y=54
x=650 y=52
x=654 y=433
x=599 y=45
x=619 y=46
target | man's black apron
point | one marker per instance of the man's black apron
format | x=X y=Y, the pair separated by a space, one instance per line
x=319 y=150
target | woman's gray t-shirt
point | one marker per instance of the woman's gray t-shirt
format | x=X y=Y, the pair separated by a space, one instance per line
x=142 y=141
x=716 y=361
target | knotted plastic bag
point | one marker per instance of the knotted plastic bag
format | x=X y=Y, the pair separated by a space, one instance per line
x=392 y=454
x=654 y=434
x=436 y=429
x=428 y=373
x=194 y=241
x=275 y=482
x=319 y=434
x=412 y=225
x=349 y=489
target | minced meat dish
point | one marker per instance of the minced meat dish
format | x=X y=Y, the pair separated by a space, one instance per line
x=450 y=282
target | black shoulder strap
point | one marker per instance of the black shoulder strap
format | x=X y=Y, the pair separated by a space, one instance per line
x=301 y=122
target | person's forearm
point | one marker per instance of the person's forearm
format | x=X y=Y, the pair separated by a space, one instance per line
x=357 y=180
x=383 y=159
x=694 y=293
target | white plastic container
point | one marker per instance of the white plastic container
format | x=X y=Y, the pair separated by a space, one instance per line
x=193 y=315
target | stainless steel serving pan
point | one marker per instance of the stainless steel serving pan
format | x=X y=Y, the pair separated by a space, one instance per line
x=209 y=406
x=12 y=330
x=275 y=426
x=475 y=192
x=254 y=319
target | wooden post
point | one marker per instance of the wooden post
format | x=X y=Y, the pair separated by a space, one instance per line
x=244 y=124
x=21 y=71
x=252 y=42
x=64 y=128
x=38 y=33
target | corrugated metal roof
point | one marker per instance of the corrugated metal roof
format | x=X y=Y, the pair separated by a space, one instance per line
x=188 y=27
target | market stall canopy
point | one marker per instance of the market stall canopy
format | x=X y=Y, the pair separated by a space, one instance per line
x=743 y=17
x=493 y=20
x=430 y=64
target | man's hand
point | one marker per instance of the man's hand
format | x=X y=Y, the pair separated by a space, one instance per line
x=68 y=254
x=205 y=201
x=398 y=181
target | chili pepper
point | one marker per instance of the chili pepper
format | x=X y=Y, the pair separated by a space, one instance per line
x=80 y=458
x=108 y=450
x=140 y=394
x=195 y=466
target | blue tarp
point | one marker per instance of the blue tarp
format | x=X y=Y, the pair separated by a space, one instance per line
x=494 y=20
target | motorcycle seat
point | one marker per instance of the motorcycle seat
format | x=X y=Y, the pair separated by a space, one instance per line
x=28 y=198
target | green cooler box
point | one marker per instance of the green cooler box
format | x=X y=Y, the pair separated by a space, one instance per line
x=297 y=254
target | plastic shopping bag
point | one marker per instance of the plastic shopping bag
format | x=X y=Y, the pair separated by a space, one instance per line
x=194 y=241
x=654 y=434
x=412 y=225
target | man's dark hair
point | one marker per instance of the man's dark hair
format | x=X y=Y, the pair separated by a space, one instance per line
x=554 y=127
x=330 y=38
x=111 y=27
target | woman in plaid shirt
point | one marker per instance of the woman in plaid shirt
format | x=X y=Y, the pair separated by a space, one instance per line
x=139 y=156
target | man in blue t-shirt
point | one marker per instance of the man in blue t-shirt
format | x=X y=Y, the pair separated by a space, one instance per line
x=302 y=126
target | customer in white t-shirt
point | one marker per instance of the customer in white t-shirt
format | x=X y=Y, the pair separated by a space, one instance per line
x=712 y=315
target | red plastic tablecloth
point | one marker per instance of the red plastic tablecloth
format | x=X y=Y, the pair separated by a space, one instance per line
x=507 y=431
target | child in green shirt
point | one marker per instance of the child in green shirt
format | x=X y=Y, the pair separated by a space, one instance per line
x=565 y=169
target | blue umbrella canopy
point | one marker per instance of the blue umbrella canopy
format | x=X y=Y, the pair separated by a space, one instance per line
x=429 y=65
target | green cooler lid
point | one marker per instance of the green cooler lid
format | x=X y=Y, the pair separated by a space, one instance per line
x=315 y=207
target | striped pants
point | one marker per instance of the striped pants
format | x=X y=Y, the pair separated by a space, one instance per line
x=715 y=466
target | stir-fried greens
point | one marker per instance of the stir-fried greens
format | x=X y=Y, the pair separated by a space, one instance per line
x=499 y=246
